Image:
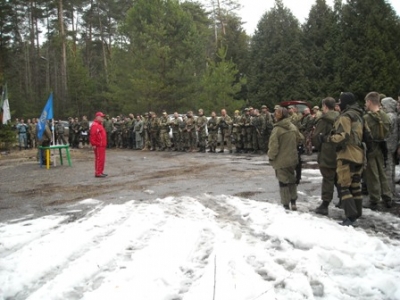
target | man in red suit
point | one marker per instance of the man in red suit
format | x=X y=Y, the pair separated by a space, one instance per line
x=98 y=139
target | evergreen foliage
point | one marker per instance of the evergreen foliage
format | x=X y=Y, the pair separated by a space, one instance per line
x=123 y=56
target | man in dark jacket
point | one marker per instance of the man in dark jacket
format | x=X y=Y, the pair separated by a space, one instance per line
x=283 y=157
x=326 y=153
x=98 y=140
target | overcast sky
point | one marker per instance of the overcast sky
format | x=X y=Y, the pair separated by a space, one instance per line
x=252 y=10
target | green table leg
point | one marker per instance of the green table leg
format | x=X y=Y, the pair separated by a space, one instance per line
x=61 y=160
x=68 y=156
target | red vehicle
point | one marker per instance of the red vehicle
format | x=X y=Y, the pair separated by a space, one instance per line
x=301 y=105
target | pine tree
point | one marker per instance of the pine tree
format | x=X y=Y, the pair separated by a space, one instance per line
x=277 y=59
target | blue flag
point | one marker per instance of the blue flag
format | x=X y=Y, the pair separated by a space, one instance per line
x=47 y=114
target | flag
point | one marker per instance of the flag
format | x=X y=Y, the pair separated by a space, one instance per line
x=5 y=106
x=47 y=114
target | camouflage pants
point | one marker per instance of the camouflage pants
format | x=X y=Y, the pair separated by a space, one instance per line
x=202 y=135
x=165 y=140
x=147 y=142
x=377 y=183
x=308 y=143
x=247 y=136
x=154 y=140
x=226 y=137
x=390 y=172
x=185 y=140
x=177 y=140
x=349 y=180
x=192 y=139
x=287 y=184
x=256 y=138
x=237 y=139
x=212 y=139
x=329 y=181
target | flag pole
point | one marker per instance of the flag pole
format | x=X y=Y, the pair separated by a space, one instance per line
x=54 y=141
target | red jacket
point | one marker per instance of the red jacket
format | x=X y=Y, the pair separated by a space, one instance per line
x=98 y=135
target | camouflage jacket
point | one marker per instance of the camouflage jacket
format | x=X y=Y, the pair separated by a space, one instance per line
x=283 y=143
x=348 y=135
x=326 y=151
x=201 y=123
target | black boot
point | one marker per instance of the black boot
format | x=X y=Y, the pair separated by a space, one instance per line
x=293 y=204
x=323 y=208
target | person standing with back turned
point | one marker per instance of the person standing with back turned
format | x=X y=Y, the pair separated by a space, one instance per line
x=98 y=140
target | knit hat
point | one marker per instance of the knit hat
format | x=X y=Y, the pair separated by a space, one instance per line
x=346 y=98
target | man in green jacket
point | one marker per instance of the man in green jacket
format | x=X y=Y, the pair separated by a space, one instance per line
x=283 y=156
x=379 y=125
x=326 y=153
x=348 y=136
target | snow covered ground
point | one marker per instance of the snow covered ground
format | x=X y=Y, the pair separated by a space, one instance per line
x=210 y=247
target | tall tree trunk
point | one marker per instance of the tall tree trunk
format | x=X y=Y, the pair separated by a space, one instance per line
x=103 y=43
x=63 y=65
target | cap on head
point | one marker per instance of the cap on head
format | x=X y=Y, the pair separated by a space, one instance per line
x=316 y=107
x=276 y=107
x=236 y=111
x=100 y=114
x=290 y=106
x=263 y=106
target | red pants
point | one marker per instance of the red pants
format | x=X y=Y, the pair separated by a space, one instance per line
x=99 y=160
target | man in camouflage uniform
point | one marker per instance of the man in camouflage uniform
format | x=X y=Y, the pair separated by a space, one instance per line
x=379 y=125
x=191 y=132
x=59 y=133
x=146 y=132
x=293 y=116
x=176 y=133
x=389 y=105
x=257 y=124
x=212 y=126
x=138 y=131
x=33 y=133
x=225 y=125
x=246 y=131
x=71 y=135
x=201 y=128
x=306 y=128
x=237 y=131
x=273 y=115
x=348 y=136
x=267 y=127
x=108 y=126
x=130 y=125
x=77 y=133
x=316 y=112
x=282 y=155
x=184 y=133
x=154 y=131
x=85 y=131
x=117 y=132
x=326 y=153
x=164 y=132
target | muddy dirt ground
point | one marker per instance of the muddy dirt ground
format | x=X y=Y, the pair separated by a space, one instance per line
x=26 y=190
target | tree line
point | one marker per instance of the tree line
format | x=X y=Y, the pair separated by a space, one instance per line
x=123 y=56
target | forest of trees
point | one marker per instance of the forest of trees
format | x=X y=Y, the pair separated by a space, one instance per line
x=123 y=56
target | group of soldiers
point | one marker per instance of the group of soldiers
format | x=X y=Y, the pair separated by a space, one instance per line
x=26 y=133
x=355 y=146
x=246 y=132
